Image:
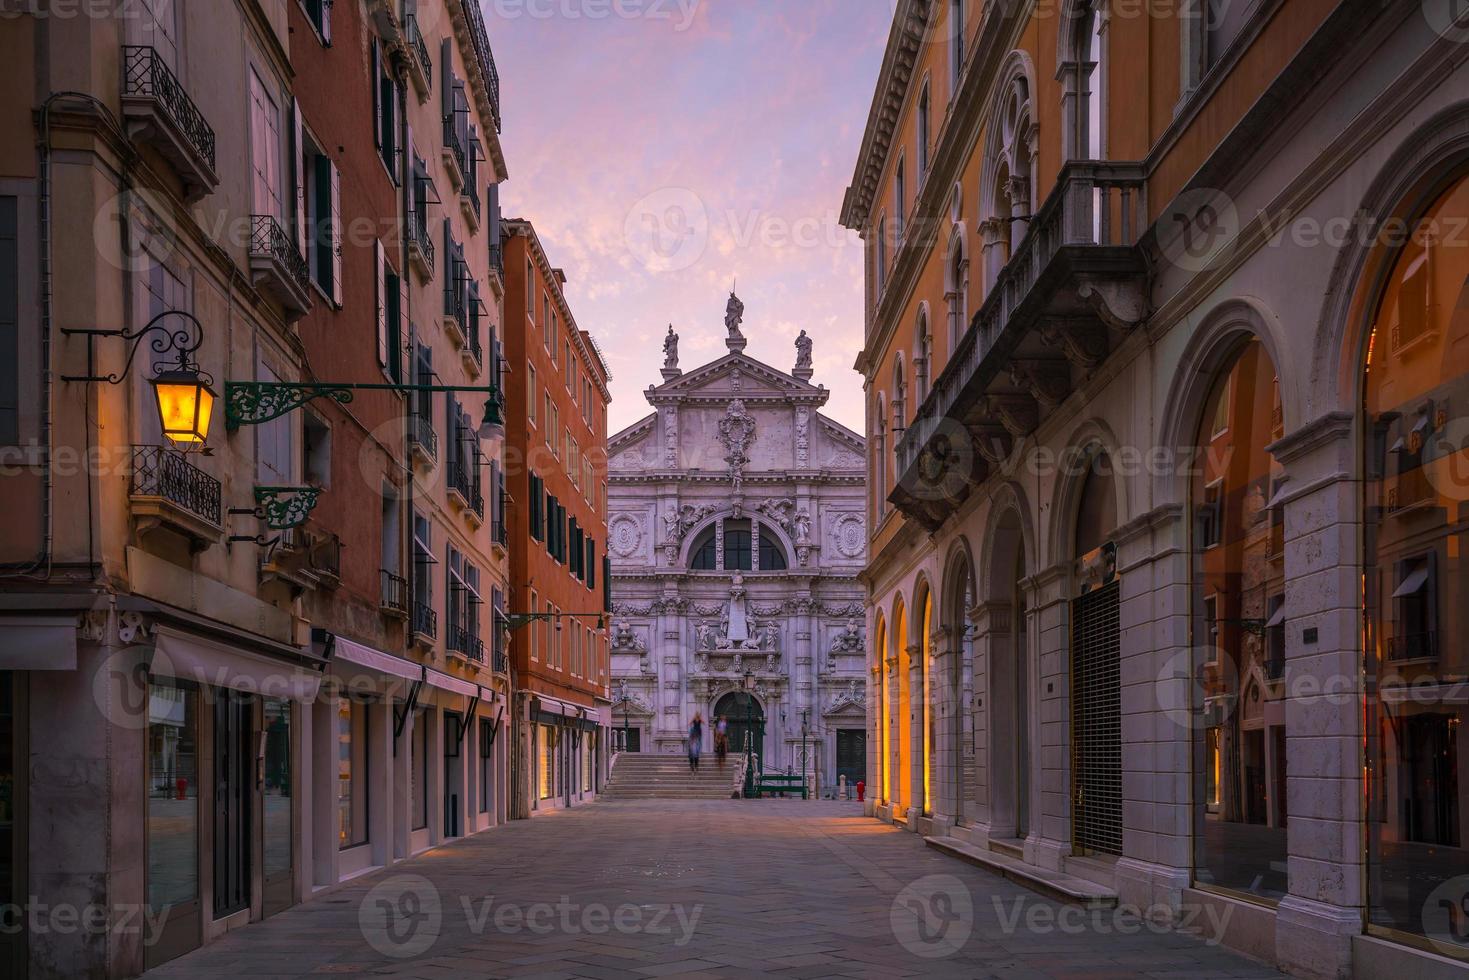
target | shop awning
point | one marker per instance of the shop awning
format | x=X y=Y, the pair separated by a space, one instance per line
x=190 y=657
x=1277 y=617
x=352 y=652
x=38 y=643
x=448 y=682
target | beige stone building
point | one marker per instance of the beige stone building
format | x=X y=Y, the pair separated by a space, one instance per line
x=1165 y=375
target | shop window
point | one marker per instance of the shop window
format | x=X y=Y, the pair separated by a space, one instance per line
x=418 y=771
x=352 y=772
x=277 y=786
x=1414 y=611
x=173 y=794
x=1240 y=760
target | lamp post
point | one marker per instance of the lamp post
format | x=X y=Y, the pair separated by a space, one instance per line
x=805 y=720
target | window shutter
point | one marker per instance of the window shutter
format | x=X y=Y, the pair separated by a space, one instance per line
x=446 y=69
x=298 y=179
x=591 y=564
x=395 y=332
x=326 y=22
x=336 y=236
x=377 y=94
x=380 y=297
x=492 y=194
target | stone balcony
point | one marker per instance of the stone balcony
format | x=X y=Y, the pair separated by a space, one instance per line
x=1074 y=287
x=158 y=111
x=166 y=490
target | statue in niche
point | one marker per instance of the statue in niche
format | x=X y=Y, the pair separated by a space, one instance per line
x=803 y=528
x=736 y=621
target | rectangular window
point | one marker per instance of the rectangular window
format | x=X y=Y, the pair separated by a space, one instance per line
x=486 y=765
x=530 y=388
x=173 y=794
x=418 y=770
x=530 y=290
x=265 y=148
x=352 y=775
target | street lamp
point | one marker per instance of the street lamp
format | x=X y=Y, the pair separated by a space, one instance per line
x=183 y=394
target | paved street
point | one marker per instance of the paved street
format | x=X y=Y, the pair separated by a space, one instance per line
x=731 y=888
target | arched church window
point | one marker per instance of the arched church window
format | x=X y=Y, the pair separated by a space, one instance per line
x=737 y=546
x=705 y=558
x=772 y=556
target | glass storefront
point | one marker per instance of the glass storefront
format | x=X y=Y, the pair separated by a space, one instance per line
x=546 y=747
x=173 y=794
x=418 y=770
x=1416 y=584
x=276 y=786
x=1239 y=615
x=352 y=772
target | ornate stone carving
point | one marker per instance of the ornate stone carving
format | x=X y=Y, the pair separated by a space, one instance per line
x=736 y=432
x=1082 y=343
x=849 y=535
x=633 y=609
x=670 y=435
x=850 y=609
x=92 y=626
x=778 y=509
x=626 y=640
x=1019 y=414
x=803 y=436
x=802 y=523
x=1049 y=382
x=625 y=535
x=681 y=521
x=134 y=627
x=803 y=369
x=849 y=640
x=854 y=695
x=670 y=355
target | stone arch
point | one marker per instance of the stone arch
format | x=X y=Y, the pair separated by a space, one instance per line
x=960 y=589
x=1004 y=666
x=922 y=354
x=900 y=395
x=901 y=783
x=881 y=707
x=956 y=284
x=1423 y=166
x=686 y=547
x=921 y=628
x=1008 y=171
x=1089 y=440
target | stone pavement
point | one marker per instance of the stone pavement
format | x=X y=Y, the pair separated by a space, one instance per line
x=662 y=888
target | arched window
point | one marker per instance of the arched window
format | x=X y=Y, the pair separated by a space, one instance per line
x=923 y=361
x=737 y=555
x=772 y=555
x=900 y=398
x=1239 y=635
x=956 y=288
x=881 y=252
x=705 y=555
x=1416 y=570
x=923 y=132
x=956 y=46
x=880 y=457
x=900 y=199
x=1007 y=190
x=1083 y=76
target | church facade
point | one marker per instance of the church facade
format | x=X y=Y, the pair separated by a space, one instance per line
x=737 y=530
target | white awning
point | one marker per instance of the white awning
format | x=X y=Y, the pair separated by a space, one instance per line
x=193 y=658
x=1277 y=617
x=555 y=706
x=39 y=643
x=448 y=682
x=1413 y=583
x=353 y=652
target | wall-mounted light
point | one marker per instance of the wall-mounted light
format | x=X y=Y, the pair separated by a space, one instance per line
x=183 y=394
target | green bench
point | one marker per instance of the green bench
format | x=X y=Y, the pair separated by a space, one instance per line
x=776 y=783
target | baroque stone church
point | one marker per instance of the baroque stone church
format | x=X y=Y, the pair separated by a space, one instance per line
x=737 y=529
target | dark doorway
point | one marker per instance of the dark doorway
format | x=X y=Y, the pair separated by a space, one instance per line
x=278 y=792
x=851 y=755
x=453 y=774
x=12 y=829
x=1096 y=722
x=233 y=800
x=746 y=724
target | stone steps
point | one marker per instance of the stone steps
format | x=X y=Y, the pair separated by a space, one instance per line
x=1054 y=884
x=638 y=776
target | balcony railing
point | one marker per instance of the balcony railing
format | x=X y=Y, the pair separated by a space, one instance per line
x=422 y=438
x=275 y=259
x=420 y=239
x=425 y=620
x=1085 y=233
x=166 y=474
x=462 y=640
x=497 y=258
x=464 y=481
x=454 y=146
x=1413 y=646
x=456 y=317
x=394 y=598
x=485 y=56
x=150 y=86
x=418 y=44
x=471 y=194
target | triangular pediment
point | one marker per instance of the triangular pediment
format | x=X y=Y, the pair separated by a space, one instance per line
x=736 y=375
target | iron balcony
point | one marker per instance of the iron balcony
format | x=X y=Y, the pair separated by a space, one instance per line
x=158 y=110
x=166 y=489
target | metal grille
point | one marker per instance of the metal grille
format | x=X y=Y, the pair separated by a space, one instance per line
x=161 y=472
x=146 y=75
x=1096 y=723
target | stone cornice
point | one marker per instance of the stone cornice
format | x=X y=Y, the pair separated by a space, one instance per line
x=910 y=23
x=814 y=477
x=1321 y=431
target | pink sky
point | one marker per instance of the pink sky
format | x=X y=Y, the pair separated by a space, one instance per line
x=664 y=154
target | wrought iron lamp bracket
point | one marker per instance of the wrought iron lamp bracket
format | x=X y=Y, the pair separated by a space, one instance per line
x=283 y=508
x=258 y=402
x=181 y=343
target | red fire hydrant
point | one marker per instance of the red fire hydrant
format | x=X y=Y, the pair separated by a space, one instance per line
x=861 y=790
x=181 y=787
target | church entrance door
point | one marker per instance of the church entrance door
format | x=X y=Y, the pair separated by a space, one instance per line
x=746 y=720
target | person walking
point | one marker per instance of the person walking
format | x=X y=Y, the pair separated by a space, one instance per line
x=721 y=740
x=696 y=741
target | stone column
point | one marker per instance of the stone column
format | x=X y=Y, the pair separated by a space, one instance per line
x=896 y=792
x=995 y=249
x=668 y=725
x=1049 y=633
x=1323 y=541
x=1158 y=720
x=804 y=676
x=917 y=759
x=995 y=714
x=945 y=722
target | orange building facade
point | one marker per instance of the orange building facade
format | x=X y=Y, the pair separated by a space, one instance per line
x=556 y=465
x=1166 y=464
